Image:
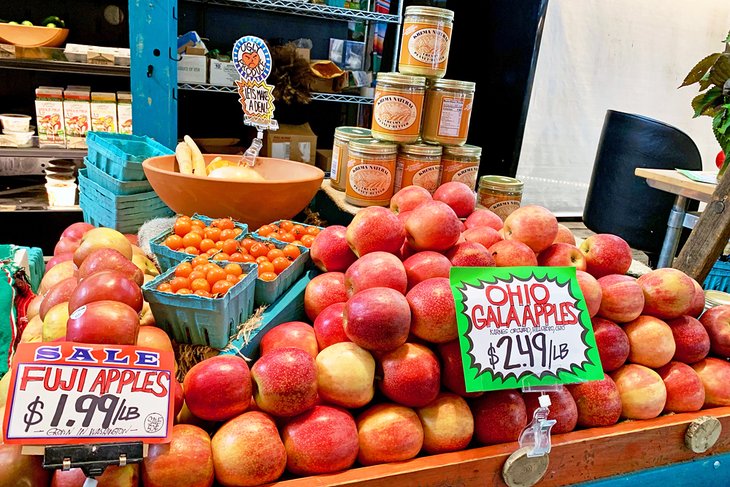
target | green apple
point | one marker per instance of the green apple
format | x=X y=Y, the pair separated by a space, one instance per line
x=27 y=22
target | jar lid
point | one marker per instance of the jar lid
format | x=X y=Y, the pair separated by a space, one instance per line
x=349 y=133
x=716 y=298
x=452 y=84
x=431 y=11
x=401 y=79
x=421 y=149
x=372 y=146
x=500 y=183
x=463 y=150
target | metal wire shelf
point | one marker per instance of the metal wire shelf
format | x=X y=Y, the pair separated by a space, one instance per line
x=335 y=97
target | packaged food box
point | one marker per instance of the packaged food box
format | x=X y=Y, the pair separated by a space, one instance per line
x=77 y=115
x=104 y=112
x=49 y=116
x=124 y=112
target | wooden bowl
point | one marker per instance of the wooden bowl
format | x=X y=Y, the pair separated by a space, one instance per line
x=32 y=35
x=288 y=189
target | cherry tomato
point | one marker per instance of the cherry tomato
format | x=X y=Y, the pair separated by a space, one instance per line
x=230 y=246
x=237 y=257
x=184 y=217
x=291 y=251
x=221 y=287
x=197 y=223
x=274 y=253
x=285 y=237
x=192 y=250
x=227 y=233
x=246 y=243
x=200 y=284
x=248 y=258
x=204 y=294
x=314 y=231
x=182 y=227
x=298 y=231
x=265 y=230
x=165 y=287
x=206 y=244
x=233 y=269
x=267 y=276
x=198 y=229
x=231 y=278
x=174 y=242
x=307 y=240
x=199 y=260
x=213 y=251
x=196 y=274
x=280 y=263
x=177 y=283
x=183 y=290
x=237 y=231
x=184 y=269
x=261 y=259
x=221 y=256
x=213 y=233
x=265 y=267
x=286 y=225
x=192 y=239
x=215 y=275
x=225 y=224
x=258 y=249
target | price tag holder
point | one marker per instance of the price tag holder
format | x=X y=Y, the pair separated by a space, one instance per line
x=523 y=327
x=74 y=393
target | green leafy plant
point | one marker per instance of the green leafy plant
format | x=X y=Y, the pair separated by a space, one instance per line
x=713 y=76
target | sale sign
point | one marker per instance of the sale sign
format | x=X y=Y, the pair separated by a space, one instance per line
x=68 y=393
x=523 y=327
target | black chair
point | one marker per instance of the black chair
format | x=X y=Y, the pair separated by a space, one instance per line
x=621 y=203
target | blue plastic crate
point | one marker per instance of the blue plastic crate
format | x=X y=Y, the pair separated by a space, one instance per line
x=167 y=258
x=198 y=320
x=718 y=278
x=113 y=184
x=121 y=155
x=277 y=222
x=268 y=291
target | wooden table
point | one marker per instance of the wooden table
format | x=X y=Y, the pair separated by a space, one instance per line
x=685 y=189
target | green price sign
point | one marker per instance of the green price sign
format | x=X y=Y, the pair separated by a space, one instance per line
x=523 y=327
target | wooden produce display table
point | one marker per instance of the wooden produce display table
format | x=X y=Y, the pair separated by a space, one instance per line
x=579 y=456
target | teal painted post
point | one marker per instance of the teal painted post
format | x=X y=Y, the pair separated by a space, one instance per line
x=153 y=44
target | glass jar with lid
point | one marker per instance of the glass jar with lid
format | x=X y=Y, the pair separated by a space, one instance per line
x=398 y=107
x=461 y=163
x=370 y=172
x=418 y=165
x=500 y=194
x=447 y=112
x=340 y=153
x=424 y=48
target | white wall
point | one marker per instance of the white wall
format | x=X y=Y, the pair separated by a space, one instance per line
x=625 y=55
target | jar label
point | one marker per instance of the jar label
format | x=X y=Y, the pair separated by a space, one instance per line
x=450 y=119
x=425 y=44
x=335 y=165
x=395 y=113
x=504 y=208
x=370 y=180
x=463 y=172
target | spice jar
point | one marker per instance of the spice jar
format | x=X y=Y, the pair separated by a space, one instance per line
x=447 y=111
x=340 y=153
x=419 y=165
x=500 y=194
x=461 y=163
x=424 y=48
x=398 y=107
x=370 y=172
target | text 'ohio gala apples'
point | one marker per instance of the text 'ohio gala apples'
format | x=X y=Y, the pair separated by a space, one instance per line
x=108 y=322
x=598 y=402
x=322 y=291
x=388 y=433
x=458 y=196
x=330 y=251
x=376 y=269
x=377 y=319
x=448 y=424
x=433 y=314
x=285 y=382
x=329 y=327
x=532 y=225
x=668 y=293
x=375 y=229
x=186 y=460
x=411 y=375
x=294 y=334
x=345 y=375
x=606 y=254
x=433 y=226
x=218 y=388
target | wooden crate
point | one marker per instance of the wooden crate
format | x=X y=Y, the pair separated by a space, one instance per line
x=578 y=456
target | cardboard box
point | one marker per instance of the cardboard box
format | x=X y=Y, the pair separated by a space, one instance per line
x=293 y=142
x=223 y=73
x=104 y=112
x=124 y=112
x=329 y=85
x=77 y=115
x=324 y=159
x=49 y=115
x=192 y=69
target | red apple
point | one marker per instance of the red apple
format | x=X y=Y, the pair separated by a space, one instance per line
x=408 y=198
x=532 y=225
x=486 y=236
x=295 y=334
x=113 y=476
x=330 y=251
x=564 y=236
x=321 y=440
x=179 y=397
x=717 y=324
x=591 y=290
x=133 y=239
x=247 y=451
x=691 y=339
x=388 y=433
x=376 y=269
x=499 y=416
x=378 y=318
x=107 y=322
x=345 y=375
x=17 y=469
x=99 y=238
x=433 y=314
x=622 y=298
x=452 y=370
x=651 y=341
x=66 y=245
x=643 y=394
x=598 y=402
x=110 y=260
x=612 y=343
x=154 y=338
x=606 y=254
x=106 y=285
x=61 y=271
x=562 y=255
x=481 y=217
x=77 y=230
x=285 y=382
x=57 y=259
x=403 y=217
x=668 y=293
x=375 y=229
x=60 y=293
x=322 y=291
x=470 y=254
x=411 y=375
x=512 y=253
x=218 y=388
x=562 y=409
x=698 y=301
x=448 y=424
x=426 y=265
x=433 y=226
x=186 y=460
x=715 y=376
x=685 y=392
x=329 y=327
x=460 y=197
